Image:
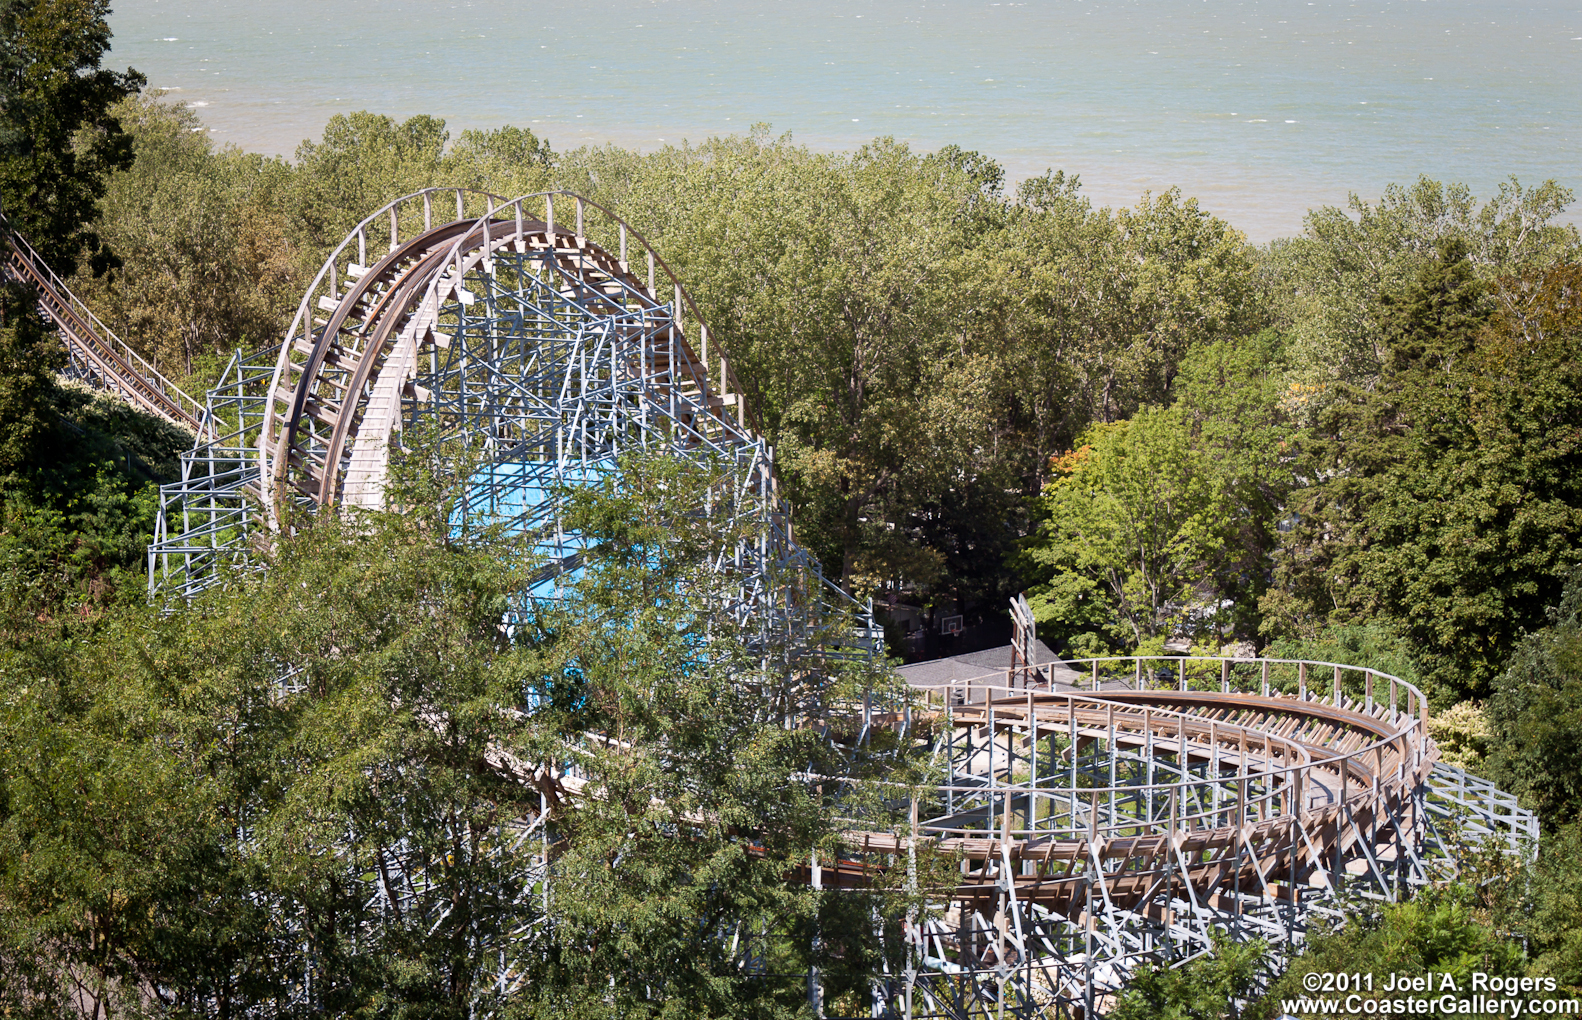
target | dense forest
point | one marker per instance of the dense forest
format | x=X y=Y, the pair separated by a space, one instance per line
x=1361 y=444
x=1150 y=425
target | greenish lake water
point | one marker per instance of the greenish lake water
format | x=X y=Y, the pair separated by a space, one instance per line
x=1262 y=109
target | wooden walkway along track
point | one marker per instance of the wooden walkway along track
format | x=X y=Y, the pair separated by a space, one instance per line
x=95 y=350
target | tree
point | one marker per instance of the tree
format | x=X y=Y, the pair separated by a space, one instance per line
x=1218 y=986
x=827 y=279
x=1236 y=402
x=29 y=358
x=1443 y=930
x=310 y=791
x=1448 y=499
x=58 y=140
x=1090 y=312
x=1536 y=715
x=206 y=265
x=242 y=767
x=58 y=135
x=1329 y=278
x=677 y=891
x=1141 y=515
x=362 y=161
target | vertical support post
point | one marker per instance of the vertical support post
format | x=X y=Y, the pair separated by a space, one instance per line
x=1171 y=835
x=1265 y=678
x=1337 y=869
x=1032 y=766
x=1294 y=813
x=914 y=940
x=815 y=988
x=1224 y=676
x=1110 y=721
x=1148 y=756
x=988 y=702
x=950 y=749
x=1213 y=768
x=1071 y=716
x=1337 y=687
x=1301 y=681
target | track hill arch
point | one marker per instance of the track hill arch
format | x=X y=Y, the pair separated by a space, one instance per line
x=532 y=350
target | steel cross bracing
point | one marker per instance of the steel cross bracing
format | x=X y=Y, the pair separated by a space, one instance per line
x=97 y=355
x=1127 y=812
x=537 y=355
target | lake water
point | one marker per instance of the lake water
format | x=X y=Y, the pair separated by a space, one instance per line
x=1262 y=109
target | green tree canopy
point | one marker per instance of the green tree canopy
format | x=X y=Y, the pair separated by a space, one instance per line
x=1140 y=514
x=1449 y=502
x=58 y=136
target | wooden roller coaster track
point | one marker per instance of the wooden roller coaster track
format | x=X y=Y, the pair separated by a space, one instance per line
x=1129 y=810
x=96 y=353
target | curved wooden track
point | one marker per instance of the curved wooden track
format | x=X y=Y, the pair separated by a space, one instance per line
x=352 y=359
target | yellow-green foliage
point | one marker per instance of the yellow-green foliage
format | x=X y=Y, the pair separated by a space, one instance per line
x=1462 y=735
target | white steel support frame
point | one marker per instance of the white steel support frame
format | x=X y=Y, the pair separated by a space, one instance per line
x=1122 y=820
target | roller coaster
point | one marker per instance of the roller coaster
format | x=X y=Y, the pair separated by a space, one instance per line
x=1091 y=816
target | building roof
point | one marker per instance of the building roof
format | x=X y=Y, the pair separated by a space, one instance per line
x=970 y=665
x=993 y=662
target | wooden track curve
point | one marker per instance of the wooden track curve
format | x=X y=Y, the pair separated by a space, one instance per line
x=337 y=387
